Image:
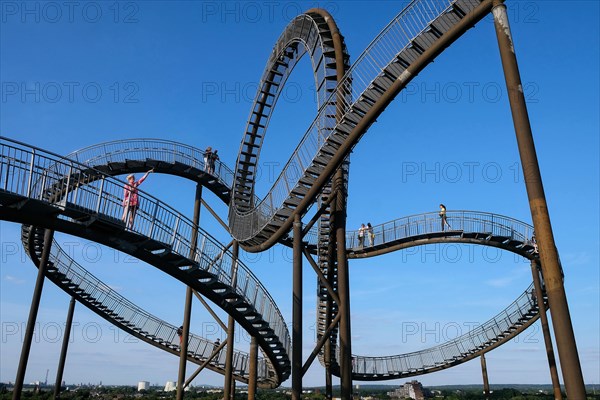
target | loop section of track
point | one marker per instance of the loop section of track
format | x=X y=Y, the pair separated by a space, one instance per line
x=404 y=48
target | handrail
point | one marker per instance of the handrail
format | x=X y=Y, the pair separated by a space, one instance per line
x=114 y=151
x=464 y=221
x=452 y=351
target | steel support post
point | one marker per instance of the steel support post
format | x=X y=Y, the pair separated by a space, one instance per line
x=33 y=311
x=229 y=382
x=297 y=310
x=339 y=226
x=539 y=298
x=63 y=350
x=188 y=298
x=551 y=270
x=486 y=383
x=252 y=370
x=331 y=262
x=343 y=288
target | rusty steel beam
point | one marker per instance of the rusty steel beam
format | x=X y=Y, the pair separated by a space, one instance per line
x=297 y=311
x=187 y=312
x=33 y=311
x=539 y=298
x=63 y=350
x=551 y=270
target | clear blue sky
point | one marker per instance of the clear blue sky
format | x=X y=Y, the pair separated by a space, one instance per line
x=75 y=75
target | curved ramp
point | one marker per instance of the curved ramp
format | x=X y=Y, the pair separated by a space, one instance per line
x=466 y=227
x=44 y=189
x=517 y=317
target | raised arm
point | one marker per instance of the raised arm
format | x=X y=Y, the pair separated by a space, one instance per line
x=143 y=178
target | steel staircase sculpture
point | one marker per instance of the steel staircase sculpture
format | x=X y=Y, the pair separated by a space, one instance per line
x=78 y=196
x=469 y=227
x=43 y=189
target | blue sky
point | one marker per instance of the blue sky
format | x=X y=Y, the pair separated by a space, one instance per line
x=74 y=75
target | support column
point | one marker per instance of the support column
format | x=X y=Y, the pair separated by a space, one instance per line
x=63 y=351
x=252 y=370
x=539 y=298
x=343 y=287
x=331 y=261
x=229 y=382
x=33 y=311
x=486 y=383
x=551 y=270
x=188 y=298
x=297 y=311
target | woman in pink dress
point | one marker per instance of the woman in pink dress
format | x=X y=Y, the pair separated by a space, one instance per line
x=130 y=198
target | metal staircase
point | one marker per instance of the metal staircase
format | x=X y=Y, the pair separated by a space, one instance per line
x=91 y=208
x=517 y=317
x=384 y=62
x=67 y=274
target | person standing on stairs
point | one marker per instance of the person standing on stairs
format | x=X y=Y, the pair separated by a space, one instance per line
x=213 y=160
x=215 y=348
x=361 y=235
x=443 y=217
x=180 y=334
x=130 y=198
x=207 y=159
x=371 y=234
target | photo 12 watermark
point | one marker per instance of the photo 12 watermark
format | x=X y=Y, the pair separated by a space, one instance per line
x=52 y=92
x=69 y=12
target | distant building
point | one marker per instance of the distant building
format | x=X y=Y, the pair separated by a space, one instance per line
x=170 y=386
x=143 y=385
x=410 y=390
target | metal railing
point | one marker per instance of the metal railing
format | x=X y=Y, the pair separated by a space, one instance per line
x=33 y=173
x=155 y=149
x=428 y=223
x=497 y=329
x=394 y=38
x=121 y=311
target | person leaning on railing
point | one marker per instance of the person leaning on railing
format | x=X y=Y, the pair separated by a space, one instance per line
x=130 y=198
